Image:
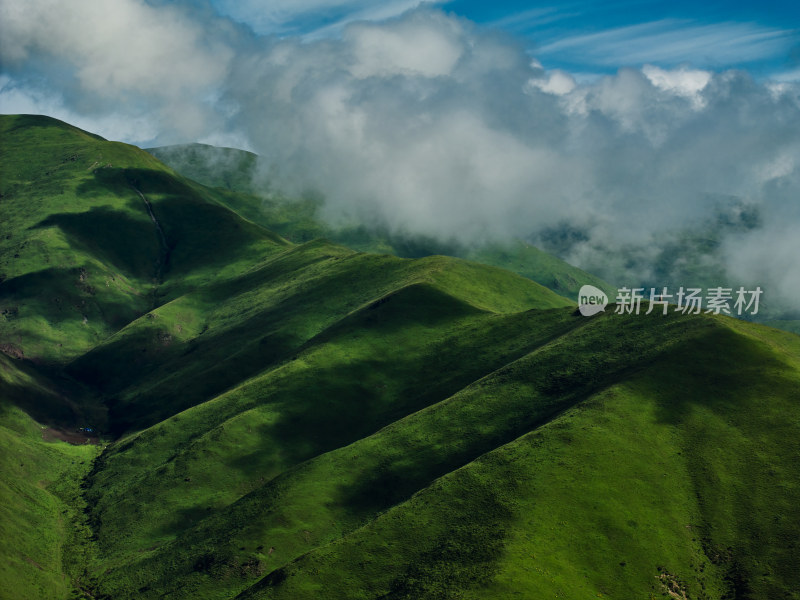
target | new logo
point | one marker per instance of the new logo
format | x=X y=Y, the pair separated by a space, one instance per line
x=591 y=300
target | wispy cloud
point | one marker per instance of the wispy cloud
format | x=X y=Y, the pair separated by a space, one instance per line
x=370 y=13
x=674 y=41
x=311 y=19
x=527 y=20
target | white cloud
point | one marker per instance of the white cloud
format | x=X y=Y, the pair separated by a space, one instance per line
x=768 y=258
x=128 y=51
x=556 y=82
x=426 y=44
x=685 y=82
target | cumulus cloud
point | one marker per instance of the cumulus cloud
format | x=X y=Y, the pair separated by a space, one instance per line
x=137 y=56
x=688 y=83
x=428 y=125
x=426 y=44
x=556 y=82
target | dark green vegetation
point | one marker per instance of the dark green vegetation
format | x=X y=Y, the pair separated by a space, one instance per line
x=43 y=532
x=308 y=421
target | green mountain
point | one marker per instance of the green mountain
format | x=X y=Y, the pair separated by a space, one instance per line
x=268 y=419
x=218 y=167
x=240 y=177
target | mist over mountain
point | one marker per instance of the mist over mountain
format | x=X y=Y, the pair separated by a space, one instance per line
x=428 y=124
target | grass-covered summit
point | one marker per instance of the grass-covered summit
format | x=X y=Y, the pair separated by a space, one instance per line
x=303 y=420
x=96 y=233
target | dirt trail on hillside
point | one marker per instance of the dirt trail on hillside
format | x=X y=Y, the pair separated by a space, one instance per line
x=149 y=206
x=165 y=249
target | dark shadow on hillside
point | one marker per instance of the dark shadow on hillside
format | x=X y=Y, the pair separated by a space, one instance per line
x=47 y=396
x=59 y=294
x=200 y=233
x=203 y=371
x=36 y=283
x=730 y=395
x=560 y=378
x=177 y=375
x=337 y=405
x=42 y=407
x=722 y=370
x=122 y=242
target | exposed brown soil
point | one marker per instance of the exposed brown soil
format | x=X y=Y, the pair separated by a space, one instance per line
x=12 y=351
x=71 y=436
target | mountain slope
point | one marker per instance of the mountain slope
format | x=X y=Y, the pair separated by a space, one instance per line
x=205 y=341
x=651 y=432
x=90 y=230
x=652 y=485
x=243 y=188
x=308 y=421
x=41 y=521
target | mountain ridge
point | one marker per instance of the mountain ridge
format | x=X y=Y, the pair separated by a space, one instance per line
x=240 y=175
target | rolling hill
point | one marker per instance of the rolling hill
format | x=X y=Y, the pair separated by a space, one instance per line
x=270 y=419
x=241 y=179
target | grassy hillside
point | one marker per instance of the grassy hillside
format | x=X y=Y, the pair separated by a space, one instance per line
x=614 y=456
x=282 y=420
x=244 y=188
x=206 y=341
x=42 y=525
x=96 y=233
x=650 y=485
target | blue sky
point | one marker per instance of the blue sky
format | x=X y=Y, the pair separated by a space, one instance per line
x=601 y=36
x=583 y=37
